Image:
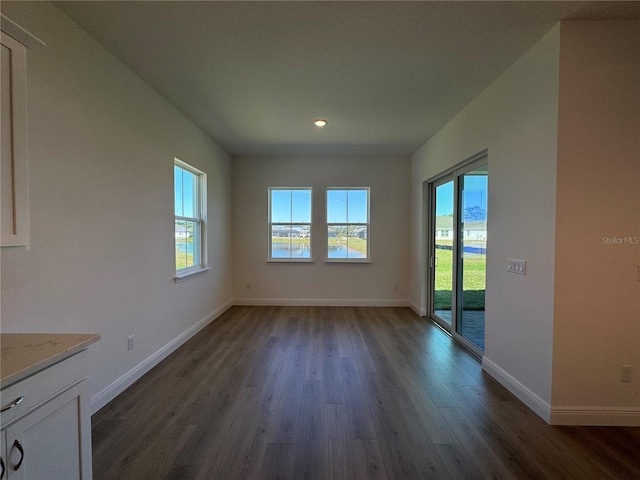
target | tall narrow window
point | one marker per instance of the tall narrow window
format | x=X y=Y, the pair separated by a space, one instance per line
x=290 y=223
x=190 y=215
x=348 y=224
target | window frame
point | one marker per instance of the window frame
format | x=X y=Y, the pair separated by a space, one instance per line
x=348 y=224
x=271 y=224
x=200 y=212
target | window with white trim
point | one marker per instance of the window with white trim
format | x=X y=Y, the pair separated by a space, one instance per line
x=290 y=224
x=348 y=224
x=190 y=200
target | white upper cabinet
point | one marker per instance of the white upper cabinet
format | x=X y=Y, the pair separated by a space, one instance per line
x=14 y=185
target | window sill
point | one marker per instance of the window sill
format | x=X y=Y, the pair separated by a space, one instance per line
x=290 y=260
x=190 y=273
x=347 y=260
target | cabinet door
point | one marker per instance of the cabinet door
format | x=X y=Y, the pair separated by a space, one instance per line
x=48 y=440
x=14 y=207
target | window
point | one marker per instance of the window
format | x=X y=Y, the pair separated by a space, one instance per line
x=348 y=223
x=290 y=224
x=190 y=214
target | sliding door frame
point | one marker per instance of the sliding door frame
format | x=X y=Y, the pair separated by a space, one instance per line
x=452 y=174
x=431 y=249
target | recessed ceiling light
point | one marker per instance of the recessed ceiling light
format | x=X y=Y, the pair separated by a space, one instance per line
x=319 y=122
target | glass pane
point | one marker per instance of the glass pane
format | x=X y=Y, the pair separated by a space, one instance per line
x=473 y=208
x=443 y=241
x=185 y=191
x=337 y=241
x=347 y=241
x=357 y=206
x=177 y=190
x=184 y=235
x=336 y=206
x=300 y=241
x=291 y=241
x=280 y=206
x=301 y=206
x=357 y=241
x=281 y=241
x=189 y=191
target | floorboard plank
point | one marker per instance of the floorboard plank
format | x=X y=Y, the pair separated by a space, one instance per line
x=313 y=370
x=308 y=454
x=332 y=383
x=336 y=442
x=338 y=392
x=358 y=419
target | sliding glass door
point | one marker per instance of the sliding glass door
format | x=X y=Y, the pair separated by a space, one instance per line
x=442 y=259
x=473 y=253
x=458 y=252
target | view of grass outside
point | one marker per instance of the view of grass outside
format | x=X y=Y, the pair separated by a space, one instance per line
x=183 y=259
x=461 y=221
x=473 y=280
x=293 y=241
x=184 y=231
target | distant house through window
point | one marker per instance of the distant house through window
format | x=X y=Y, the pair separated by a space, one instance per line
x=348 y=224
x=290 y=224
x=189 y=185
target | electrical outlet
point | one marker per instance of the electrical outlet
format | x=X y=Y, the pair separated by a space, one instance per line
x=247 y=286
x=395 y=287
x=131 y=342
x=516 y=266
x=625 y=372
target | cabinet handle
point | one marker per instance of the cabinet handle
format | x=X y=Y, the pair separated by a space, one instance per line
x=15 y=403
x=16 y=444
x=1 y=466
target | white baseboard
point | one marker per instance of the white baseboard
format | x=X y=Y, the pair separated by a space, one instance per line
x=571 y=415
x=524 y=394
x=321 y=302
x=110 y=392
x=416 y=308
x=596 y=416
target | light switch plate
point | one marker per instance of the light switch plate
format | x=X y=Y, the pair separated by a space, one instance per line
x=515 y=265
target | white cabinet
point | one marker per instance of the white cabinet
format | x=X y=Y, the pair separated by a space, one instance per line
x=13 y=154
x=47 y=435
x=14 y=189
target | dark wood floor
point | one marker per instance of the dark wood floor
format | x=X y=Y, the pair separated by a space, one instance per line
x=338 y=393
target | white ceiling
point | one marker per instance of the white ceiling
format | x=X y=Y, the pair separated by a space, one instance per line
x=386 y=75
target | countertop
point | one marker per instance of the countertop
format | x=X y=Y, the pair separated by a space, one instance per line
x=23 y=354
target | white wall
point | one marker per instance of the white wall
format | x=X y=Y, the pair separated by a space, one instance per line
x=597 y=298
x=320 y=282
x=101 y=149
x=515 y=119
